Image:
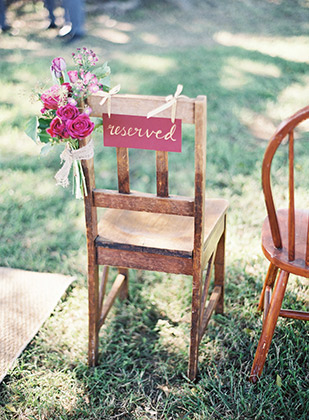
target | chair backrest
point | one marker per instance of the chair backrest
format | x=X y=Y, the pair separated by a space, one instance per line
x=285 y=129
x=190 y=111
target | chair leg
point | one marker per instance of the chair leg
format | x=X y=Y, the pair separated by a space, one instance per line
x=267 y=300
x=269 y=326
x=269 y=281
x=220 y=272
x=195 y=325
x=93 y=302
x=124 y=292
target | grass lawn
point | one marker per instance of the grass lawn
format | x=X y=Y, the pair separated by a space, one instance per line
x=251 y=60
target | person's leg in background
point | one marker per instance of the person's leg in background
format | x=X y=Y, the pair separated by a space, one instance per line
x=3 y=25
x=50 y=5
x=75 y=10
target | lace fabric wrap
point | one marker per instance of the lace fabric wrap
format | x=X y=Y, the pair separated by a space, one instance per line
x=68 y=156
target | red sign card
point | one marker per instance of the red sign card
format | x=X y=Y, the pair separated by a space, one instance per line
x=142 y=132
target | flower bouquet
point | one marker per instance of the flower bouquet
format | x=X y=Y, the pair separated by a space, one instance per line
x=65 y=115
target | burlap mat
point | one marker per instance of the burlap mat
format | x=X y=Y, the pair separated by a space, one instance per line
x=26 y=301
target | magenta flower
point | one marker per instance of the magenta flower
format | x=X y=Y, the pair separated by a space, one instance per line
x=73 y=75
x=58 y=66
x=67 y=112
x=68 y=87
x=51 y=97
x=57 y=129
x=80 y=127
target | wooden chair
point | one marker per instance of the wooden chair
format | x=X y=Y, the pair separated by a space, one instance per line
x=161 y=232
x=285 y=243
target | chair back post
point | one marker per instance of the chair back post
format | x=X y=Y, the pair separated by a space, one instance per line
x=90 y=209
x=200 y=179
x=93 y=269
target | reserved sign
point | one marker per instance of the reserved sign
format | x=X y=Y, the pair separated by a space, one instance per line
x=142 y=132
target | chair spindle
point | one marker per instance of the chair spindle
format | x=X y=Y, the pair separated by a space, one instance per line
x=123 y=170
x=291 y=220
x=162 y=173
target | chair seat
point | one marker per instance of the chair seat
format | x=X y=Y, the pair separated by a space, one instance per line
x=279 y=256
x=157 y=233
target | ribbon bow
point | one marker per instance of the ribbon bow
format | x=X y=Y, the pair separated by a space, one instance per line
x=171 y=101
x=108 y=98
x=69 y=156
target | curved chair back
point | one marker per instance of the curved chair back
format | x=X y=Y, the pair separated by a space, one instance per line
x=286 y=128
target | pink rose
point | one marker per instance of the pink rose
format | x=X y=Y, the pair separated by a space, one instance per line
x=73 y=75
x=57 y=67
x=51 y=97
x=57 y=129
x=67 y=112
x=81 y=127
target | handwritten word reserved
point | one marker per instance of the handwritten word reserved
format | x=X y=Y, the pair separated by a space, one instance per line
x=140 y=132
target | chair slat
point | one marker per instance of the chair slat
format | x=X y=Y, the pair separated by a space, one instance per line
x=123 y=170
x=144 y=261
x=291 y=220
x=138 y=201
x=162 y=173
x=140 y=105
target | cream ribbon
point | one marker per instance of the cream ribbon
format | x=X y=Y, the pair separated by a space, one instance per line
x=171 y=101
x=69 y=156
x=108 y=98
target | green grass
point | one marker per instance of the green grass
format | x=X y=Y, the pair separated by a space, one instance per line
x=251 y=60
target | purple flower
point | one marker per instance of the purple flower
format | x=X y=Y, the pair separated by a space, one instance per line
x=58 y=66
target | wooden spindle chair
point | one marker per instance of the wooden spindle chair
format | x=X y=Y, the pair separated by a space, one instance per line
x=157 y=232
x=285 y=243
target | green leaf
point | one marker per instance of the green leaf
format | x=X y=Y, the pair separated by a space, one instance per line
x=66 y=77
x=44 y=123
x=31 y=128
x=97 y=122
x=44 y=137
x=279 y=381
x=105 y=81
x=46 y=149
x=102 y=71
